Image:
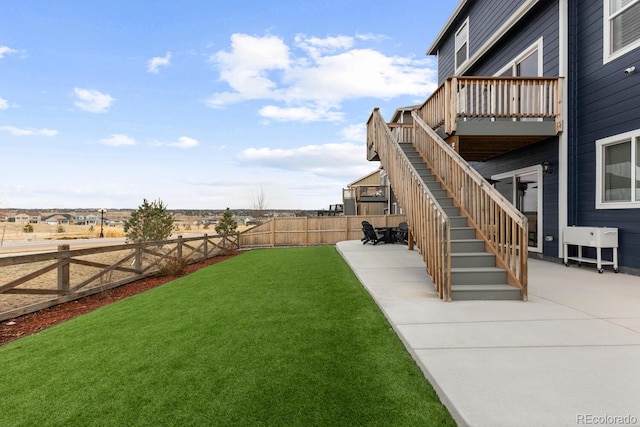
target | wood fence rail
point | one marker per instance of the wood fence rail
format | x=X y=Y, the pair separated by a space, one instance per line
x=312 y=231
x=49 y=279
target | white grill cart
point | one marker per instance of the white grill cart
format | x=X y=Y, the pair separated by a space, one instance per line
x=596 y=237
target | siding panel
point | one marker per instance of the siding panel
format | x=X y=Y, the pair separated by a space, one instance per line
x=607 y=103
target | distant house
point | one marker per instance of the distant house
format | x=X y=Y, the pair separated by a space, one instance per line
x=86 y=219
x=22 y=218
x=370 y=195
x=57 y=219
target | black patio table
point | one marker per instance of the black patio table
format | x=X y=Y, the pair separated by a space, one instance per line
x=389 y=233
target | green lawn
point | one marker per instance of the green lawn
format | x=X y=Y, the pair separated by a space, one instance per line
x=270 y=337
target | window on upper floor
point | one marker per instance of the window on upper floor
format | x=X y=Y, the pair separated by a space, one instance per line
x=462 y=44
x=621 y=27
x=618 y=171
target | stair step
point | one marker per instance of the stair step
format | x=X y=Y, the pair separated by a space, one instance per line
x=467 y=245
x=452 y=210
x=445 y=201
x=478 y=276
x=463 y=233
x=458 y=221
x=472 y=260
x=484 y=292
x=439 y=193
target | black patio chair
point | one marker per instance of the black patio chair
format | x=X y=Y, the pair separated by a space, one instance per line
x=402 y=233
x=370 y=234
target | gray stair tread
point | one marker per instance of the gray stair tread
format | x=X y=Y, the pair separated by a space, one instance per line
x=472 y=254
x=486 y=287
x=475 y=269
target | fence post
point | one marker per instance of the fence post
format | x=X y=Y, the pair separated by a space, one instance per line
x=179 y=247
x=306 y=231
x=237 y=240
x=205 y=246
x=347 y=226
x=63 y=270
x=137 y=260
x=273 y=232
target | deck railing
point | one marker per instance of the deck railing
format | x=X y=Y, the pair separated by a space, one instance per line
x=428 y=222
x=493 y=98
x=502 y=226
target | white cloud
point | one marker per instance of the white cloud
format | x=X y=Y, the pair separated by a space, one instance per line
x=28 y=132
x=4 y=104
x=329 y=160
x=246 y=68
x=93 y=101
x=117 y=140
x=158 y=61
x=315 y=75
x=184 y=142
x=356 y=133
x=6 y=50
x=316 y=46
x=301 y=114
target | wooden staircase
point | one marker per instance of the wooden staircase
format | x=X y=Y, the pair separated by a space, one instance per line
x=472 y=240
x=474 y=275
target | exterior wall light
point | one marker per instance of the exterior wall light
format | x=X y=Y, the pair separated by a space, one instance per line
x=546 y=167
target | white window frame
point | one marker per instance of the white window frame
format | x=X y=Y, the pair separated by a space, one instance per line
x=464 y=26
x=525 y=171
x=537 y=45
x=608 y=55
x=601 y=144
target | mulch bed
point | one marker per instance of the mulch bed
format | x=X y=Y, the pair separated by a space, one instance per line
x=34 y=322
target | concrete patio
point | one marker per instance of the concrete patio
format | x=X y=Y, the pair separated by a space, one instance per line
x=568 y=356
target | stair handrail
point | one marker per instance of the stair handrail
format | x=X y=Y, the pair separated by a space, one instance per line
x=503 y=227
x=428 y=223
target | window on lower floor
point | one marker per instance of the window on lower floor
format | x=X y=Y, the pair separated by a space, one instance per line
x=618 y=166
x=621 y=27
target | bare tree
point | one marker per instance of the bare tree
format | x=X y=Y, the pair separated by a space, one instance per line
x=259 y=203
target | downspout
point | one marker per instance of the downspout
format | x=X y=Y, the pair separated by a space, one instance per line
x=564 y=157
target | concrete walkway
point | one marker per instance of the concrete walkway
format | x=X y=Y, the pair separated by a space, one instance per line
x=569 y=356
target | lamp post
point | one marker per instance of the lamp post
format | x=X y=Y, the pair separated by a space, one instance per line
x=102 y=211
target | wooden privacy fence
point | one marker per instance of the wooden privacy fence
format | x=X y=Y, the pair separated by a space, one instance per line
x=501 y=225
x=312 y=231
x=428 y=223
x=29 y=283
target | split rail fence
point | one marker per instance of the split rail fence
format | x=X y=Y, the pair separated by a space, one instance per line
x=32 y=282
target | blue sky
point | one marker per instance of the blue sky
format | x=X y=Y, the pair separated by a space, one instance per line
x=203 y=104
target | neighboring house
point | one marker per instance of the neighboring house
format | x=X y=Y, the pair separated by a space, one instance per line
x=22 y=218
x=57 y=219
x=87 y=219
x=370 y=195
x=542 y=99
